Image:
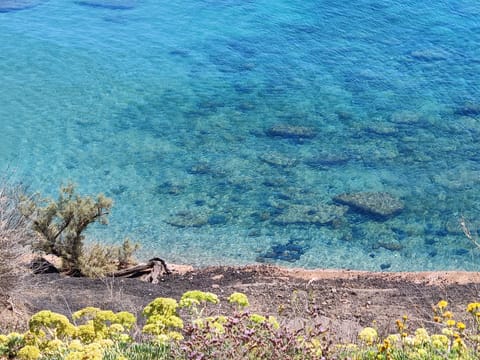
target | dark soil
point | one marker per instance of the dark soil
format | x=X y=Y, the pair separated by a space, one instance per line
x=343 y=301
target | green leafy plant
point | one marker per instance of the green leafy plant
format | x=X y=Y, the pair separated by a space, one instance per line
x=60 y=224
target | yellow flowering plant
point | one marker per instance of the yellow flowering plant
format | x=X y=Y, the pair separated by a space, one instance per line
x=163 y=320
x=103 y=324
x=238 y=299
x=453 y=341
x=368 y=335
x=10 y=344
x=196 y=297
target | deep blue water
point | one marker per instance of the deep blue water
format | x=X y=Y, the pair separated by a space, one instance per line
x=168 y=107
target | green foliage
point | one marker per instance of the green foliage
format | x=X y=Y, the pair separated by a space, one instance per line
x=125 y=252
x=144 y=351
x=99 y=260
x=11 y=344
x=191 y=299
x=239 y=299
x=61 y=223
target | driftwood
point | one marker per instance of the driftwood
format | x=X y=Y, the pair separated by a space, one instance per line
x=150 y=271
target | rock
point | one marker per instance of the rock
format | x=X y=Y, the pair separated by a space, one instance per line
x=119 y=190
x=188 y=219
x=390 y=244
x=385 y=266
x=277 y=159
x=13 y=5
x=205 y=168
x=327 y=159
x=382 y=129
x=217 y=219
x=169 y=188
x=379 y=204
x=307 y=214
x=109 y=4
x=429 y=54
x=469 y=109
x=457 y=178
x=274 y=182
x=183 y=53
x=291 y=131
x=461 y=252
x=200 y=168
x=285 y=252
x=405 y=117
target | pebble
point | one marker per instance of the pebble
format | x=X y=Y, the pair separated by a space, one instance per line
x=385 y=266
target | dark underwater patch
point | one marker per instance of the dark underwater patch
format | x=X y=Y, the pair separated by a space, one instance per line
x=110 y=4
x=291 y=252
x=15 y=5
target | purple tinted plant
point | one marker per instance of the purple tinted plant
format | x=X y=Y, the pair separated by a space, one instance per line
x=250 y=336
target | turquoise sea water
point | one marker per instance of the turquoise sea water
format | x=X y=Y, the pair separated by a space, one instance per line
x=166 y=107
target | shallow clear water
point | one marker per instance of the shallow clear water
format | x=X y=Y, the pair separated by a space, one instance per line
x=166 y=107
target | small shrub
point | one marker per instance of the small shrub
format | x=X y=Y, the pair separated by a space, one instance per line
x=98 y=260
x=125 y=253
x=60 y=224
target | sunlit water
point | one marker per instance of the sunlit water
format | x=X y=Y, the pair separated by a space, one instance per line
x=168 y=106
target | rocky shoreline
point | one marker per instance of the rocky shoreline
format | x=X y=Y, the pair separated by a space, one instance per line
x=343 y=300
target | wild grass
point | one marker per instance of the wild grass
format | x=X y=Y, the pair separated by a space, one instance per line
x=15 y=235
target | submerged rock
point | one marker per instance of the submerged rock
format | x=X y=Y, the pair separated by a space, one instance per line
x=385 y=266
x=169 y=188
x=405 y=117
x=217 y=219
x=307 y=214
x=14 y=5
x=188 y=219
x=382 y=130
x=110 y=4
x=469 y=109
x=379 y=204
x=291 y=131
x=205 y=168
x=327 y=159
x=429 y=54
x=277 y=159
x=389 y=244
x=200 y=168
x=290 y=252
x=275 y=181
